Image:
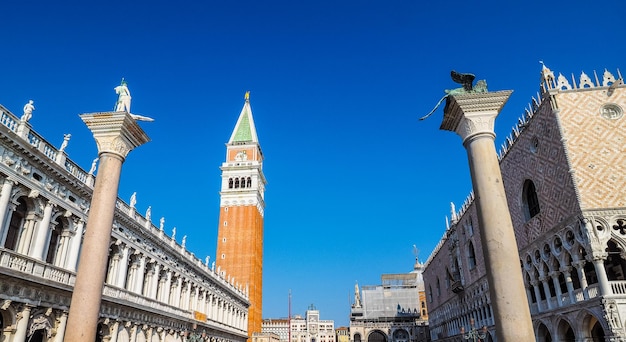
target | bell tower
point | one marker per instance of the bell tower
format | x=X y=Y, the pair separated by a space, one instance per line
x=242 y=206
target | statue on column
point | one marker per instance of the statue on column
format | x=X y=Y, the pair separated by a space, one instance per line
x=466 y=80
x=28 y=111
x=123 y=102
x=123 y=99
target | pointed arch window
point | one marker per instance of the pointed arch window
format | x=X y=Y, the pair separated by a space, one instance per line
x=249 y=182
x=530 y=200
x=430 y=294
x=230 y=183
x=237 y=183
x=471 y=256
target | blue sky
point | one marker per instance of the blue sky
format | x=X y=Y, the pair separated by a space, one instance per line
x=354 y=180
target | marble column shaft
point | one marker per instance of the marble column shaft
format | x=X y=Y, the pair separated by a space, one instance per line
x=116 y=134
x=42 y=233
x=472 y=116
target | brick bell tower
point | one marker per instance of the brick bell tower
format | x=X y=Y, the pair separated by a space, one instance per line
x=242 y=206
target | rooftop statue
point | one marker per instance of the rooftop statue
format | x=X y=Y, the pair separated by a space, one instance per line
x=93 y=166
x=467 y=81
x=28 y=111
x=133 y=199
x=66 y=139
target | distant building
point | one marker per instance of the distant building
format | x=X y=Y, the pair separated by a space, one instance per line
x=265 y=337
x=279 y=326
x=564 y=173
x=299 y=329
x=342 y=334
x=394 y=311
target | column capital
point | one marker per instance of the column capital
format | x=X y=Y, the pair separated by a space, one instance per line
x=115 y=132
x=473 y=114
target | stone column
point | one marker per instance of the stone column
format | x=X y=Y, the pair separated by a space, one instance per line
x=42 y=233
x=114 y=331
x=472 y=116
x=603 y=279
x=167 y=288
x=535 y=284
x=5 y=196
x=179 y=290
x=24 y=244
x=546 y=290
x=154 y=285
x=116 y=134
x=139 y=276
x=61 y=328
x=557 y=288
x=76 y=240
x=582 y=277
x=122 y=269
x=567 y=272
x=22 y=324
x=64 y=246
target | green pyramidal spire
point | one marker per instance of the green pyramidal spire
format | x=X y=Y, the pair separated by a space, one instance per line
x=244 y=131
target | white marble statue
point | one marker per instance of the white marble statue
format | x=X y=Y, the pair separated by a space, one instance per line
x=123 y=99
x=28 y=111
x=161 y=223
x=174 y=233
x=133 y=199
x=148 y=213
x=66 y=139
x=184 y=242
x=93 y=166
x=206 y=260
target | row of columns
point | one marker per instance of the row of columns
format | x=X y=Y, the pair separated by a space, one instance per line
x=130 y=270
x=35 y=235
x=543 y=279
x=155 y=283
x=22 y=326
x=23 y=320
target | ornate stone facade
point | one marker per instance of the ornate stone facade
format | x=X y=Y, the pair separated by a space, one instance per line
x=394 y=311
x=309 y=328
x=155 y=289
x=563 y=169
